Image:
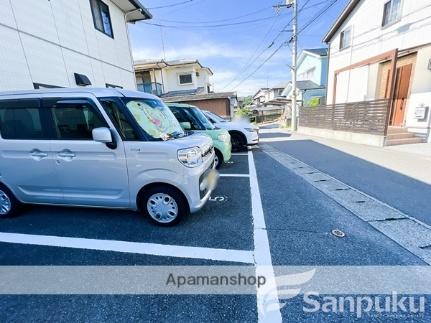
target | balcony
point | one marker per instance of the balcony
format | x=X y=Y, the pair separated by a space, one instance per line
x=152 y=88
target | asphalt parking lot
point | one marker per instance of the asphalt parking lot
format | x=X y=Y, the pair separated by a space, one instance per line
x=261 y=214
x=220 y=234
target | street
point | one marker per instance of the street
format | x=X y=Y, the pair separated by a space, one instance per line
x=298 y=220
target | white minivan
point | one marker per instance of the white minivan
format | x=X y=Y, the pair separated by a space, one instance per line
x=101 y=148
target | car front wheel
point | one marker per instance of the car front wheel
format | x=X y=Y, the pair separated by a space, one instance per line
x=164 y=205
x=238 y=141
x=218 y=159
x=8 y=203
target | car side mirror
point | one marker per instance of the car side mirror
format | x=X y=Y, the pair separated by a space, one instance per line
x=102 y=135
x=186 y=125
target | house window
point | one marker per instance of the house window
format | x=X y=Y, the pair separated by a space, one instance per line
x=185 y=78
x=345 y=38
x=101 y=17
x=307 y=75
x=391 y=12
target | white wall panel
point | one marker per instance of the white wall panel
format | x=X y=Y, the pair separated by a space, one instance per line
x=35 y=17
x=69 y=25
x=46 y=62
x=6 y=14
x=14 y=74
x=59 y=39
x=99 y=78
x=77 y=63
x=88 y=27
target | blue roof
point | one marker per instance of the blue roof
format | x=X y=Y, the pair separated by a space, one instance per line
x=318 y=51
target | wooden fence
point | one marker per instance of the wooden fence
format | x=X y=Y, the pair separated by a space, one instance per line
x=368 y=117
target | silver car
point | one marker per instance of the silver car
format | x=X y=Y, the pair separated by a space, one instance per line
x=101 y=148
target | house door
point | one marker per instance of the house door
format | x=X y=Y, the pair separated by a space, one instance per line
x=402 y=86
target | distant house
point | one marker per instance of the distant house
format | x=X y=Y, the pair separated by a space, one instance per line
x=223 y=103
x=67 y=43
x=381 y=49
x=312 y=77
x=268 y=103
x=184 y=81
x=173 y=78
x=266 y=95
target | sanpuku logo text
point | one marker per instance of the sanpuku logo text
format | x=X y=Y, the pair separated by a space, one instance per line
x=360 y=305
x=289 y=286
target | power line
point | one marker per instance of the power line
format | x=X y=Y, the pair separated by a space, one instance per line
x=252 y=57
x=301 y=30
x=171 y=5
x=212 y=26
x=216 y=20
x=260 y=65
x=317 y=17
x=253 y=60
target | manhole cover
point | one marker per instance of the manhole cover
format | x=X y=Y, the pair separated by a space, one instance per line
x=338 y=233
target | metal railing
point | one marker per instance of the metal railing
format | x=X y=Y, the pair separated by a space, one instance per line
x=152 y=88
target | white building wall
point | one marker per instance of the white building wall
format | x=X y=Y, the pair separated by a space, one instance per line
x=370 y=39
x=420 y=92
x=170 y=78
x=48 y=41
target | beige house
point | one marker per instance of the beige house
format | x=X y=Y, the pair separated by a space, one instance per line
x=171 y=78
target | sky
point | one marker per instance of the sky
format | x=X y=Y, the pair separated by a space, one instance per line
x=233 y=38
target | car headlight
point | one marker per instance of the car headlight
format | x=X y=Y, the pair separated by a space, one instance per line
x=190 y=157
x=251 y=129
x=224 y=137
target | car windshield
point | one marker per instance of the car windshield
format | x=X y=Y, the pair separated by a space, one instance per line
x=194 y=116
x=216 y=117
x=197 y=114
x=155 y=118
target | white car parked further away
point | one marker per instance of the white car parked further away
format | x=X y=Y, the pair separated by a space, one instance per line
x=242 y=133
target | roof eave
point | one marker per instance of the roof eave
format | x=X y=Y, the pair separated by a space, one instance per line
x=145 y=13
x=340 y=20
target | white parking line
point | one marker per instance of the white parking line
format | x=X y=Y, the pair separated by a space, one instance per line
x=154 y=249
x=239 y=154
x=267 y=295
x=234 y=175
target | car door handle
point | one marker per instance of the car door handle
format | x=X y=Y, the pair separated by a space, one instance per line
x=66 y=155
x=37 y=154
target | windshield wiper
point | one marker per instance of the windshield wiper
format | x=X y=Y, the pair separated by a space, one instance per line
x=177 y=134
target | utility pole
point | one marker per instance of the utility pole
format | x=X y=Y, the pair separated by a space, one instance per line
x=294 y=40
x=294 y=125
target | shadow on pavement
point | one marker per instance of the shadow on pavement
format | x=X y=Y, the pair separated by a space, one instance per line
x=400 y=191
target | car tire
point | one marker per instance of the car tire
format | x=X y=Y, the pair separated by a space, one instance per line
x=9 y=205
x=238 y=141
x=164 y=205
x=218 y=159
